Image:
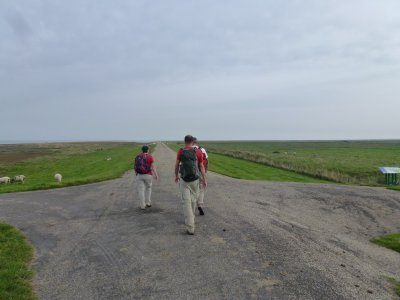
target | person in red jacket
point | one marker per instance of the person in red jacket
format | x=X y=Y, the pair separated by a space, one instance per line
x=144 y=170
x=200 y=199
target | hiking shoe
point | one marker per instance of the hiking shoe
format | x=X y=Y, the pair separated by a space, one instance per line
x=148 y=205
x=201 y=211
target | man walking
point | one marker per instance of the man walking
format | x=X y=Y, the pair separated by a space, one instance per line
x=189 y=164
x=144 y=170
x=200 y=199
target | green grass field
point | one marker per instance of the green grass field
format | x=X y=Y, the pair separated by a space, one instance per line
x=349 y=162
x=242 y=169
x=79 y=163
x=15 y=257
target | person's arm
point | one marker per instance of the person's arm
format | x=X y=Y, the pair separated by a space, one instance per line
x=177 y=171
x=154 y=170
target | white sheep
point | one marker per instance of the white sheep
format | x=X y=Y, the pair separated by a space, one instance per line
x=19 y=178
x=108 y=158
x=5 y=179
x=58 y=177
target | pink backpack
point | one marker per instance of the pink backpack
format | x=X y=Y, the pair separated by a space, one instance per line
x=141 y=164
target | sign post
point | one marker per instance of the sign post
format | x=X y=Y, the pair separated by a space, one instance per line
x=390 y=173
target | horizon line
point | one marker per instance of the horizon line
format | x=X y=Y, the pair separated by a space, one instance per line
x=45 y=141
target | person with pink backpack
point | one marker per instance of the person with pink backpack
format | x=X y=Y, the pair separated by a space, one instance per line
x=144 y=170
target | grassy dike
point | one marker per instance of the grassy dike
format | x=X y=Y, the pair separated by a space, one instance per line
x=242 y=169
x=15 y=258
x=77 y=168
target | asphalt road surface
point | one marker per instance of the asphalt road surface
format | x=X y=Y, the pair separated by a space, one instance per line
x=258 y=240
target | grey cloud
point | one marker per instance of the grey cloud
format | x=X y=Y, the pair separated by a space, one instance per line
x=245 y=64
x=19 y=24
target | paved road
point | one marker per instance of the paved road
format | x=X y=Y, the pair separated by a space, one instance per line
x=258 y=240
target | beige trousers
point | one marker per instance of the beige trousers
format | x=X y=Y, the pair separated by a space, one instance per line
x=189 y=193
x=144 y=183
x=200 y=199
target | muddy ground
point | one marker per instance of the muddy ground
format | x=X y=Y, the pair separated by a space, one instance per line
x=258 y=240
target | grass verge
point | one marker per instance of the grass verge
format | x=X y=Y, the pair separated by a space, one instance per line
x=348 y=162
x=77 y=168
x=394 y=188
x=396 y=285
x=243 y=169
x=15 y=257
x=391 y=241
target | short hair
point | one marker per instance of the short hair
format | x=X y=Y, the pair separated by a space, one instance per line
x=189 y=139
x=145 y=148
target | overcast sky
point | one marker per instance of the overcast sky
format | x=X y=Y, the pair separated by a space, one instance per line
x=226 y=69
